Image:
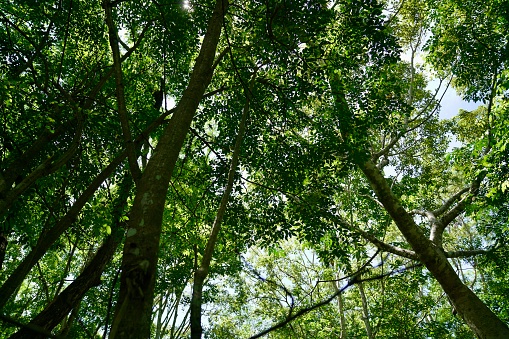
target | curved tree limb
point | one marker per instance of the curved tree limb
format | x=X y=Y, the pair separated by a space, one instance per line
x=306 y=310
x=476 y=314
x=448 y=203
x=375 y=241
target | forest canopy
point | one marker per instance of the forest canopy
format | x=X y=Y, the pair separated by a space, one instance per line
x=245 y=169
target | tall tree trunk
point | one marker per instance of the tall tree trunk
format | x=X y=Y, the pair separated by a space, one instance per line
x=476 y=314
x=201 y=273
x=70 y=298
x=365 y=310
x=134 y=307
x=341 y=310
x=3 y=246
x=48 y=238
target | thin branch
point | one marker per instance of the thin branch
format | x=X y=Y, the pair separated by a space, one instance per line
x=439 y=211
x=220 y=57
x=305 y=310
x=31 y=327
x=438 y=225
x=402 y=252
x=389 y=21
x=202 y=272
x=66 y=37
x=375 y=200
x=38 y=48
x=121 y=104
x=400 y=135
x=104 y=79
x=466 y=253
x=460 y=206
x=378 y=243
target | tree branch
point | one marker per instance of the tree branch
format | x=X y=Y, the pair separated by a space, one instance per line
x=439 y=211
x=378 y=243
x=465 y=253
x=202 y=272
x=305 y=310
x=438 y=225
x=122 y=109
x=30 y=327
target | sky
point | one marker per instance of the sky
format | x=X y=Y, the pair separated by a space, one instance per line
x=452 y=102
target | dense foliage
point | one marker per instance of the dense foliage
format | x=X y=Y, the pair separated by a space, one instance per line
x=299 y=177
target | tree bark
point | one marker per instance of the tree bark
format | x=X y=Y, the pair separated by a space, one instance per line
x=201 y=273
x=365 y=310
x=70 y=298
x=483 y=322
x=134 y=307
x=3 y=246
x=119 y=90
x=341 y=310
x=48 y=238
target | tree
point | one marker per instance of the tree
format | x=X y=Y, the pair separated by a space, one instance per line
x=295 y=122
x=134 y=309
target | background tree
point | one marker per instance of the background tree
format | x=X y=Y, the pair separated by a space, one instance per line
x=344 y=159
